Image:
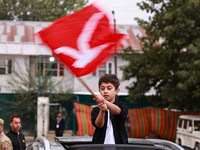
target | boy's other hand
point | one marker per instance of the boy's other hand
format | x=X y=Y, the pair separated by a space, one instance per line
x=102 y=106
x=99 y=98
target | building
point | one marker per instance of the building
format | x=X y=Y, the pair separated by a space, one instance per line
x=19 y=51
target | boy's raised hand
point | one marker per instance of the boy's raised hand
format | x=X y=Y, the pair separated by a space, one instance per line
x=99 y=99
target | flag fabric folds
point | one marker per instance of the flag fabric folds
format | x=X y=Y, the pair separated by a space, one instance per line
x=83 y=41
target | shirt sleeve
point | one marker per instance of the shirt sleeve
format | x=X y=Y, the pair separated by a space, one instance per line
x=94 y=115
x=124 y=111
x=7 y=145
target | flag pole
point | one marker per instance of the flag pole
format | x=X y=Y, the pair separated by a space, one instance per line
x=83 y=82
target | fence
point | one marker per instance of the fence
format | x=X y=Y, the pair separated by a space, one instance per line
x=29 y=125
x=142 y=121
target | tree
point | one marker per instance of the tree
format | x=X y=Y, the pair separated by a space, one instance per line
x=25 y=86
x=38 y=10
x=170 y=58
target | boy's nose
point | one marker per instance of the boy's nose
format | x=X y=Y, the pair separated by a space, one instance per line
x=105 y=91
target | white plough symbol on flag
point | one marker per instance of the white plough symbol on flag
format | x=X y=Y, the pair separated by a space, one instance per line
x=83 y=41
x=85 y=54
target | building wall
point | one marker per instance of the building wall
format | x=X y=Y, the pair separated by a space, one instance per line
x=92 y=81
x=18 y=64
x=21 y=64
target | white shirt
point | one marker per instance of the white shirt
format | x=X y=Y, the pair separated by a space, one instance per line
x=109 y=138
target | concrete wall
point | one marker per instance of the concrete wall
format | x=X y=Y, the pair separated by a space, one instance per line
x=42 y=116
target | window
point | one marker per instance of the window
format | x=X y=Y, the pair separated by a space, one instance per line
x=196 y=125
x=61 y=70
x=107 y=68
x=185 y=124
x=43 y=67
x=5 y=66
x=180 y=123
x=190 y=123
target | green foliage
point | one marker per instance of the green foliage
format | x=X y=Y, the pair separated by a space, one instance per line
x=171 y=67
x=38 y=10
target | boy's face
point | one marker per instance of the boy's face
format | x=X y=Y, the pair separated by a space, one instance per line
x=107 y=90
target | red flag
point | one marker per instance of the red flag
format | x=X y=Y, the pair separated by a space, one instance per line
x=83 y=40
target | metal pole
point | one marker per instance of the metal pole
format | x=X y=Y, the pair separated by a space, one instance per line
x=38 y=95
x=43 y=105
x=39 y=76
x=115 y=57
x=50 y=83
x=44 y=83
x=51 y=59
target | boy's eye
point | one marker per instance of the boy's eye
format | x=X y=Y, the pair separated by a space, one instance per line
x=108 y=88
x=102 y=89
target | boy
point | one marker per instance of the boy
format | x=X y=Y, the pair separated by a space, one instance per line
x=110 y=115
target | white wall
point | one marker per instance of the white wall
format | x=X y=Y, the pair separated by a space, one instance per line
x=18 y=65
x=92 y=81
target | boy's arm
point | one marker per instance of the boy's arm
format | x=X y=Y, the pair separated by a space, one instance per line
x=99 y=122
x=98 y=115
x=114 y=109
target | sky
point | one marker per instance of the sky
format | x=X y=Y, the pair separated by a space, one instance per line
x=124 y=10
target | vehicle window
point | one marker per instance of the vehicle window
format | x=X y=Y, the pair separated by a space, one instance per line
x=196 y=125
x=180 y=123
x=185 y=124
x=190 y=123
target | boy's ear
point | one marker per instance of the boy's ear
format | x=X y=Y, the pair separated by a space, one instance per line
x=117 y=91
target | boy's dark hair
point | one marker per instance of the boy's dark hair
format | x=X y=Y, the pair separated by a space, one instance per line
x=14 y=116
x=109 y=78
